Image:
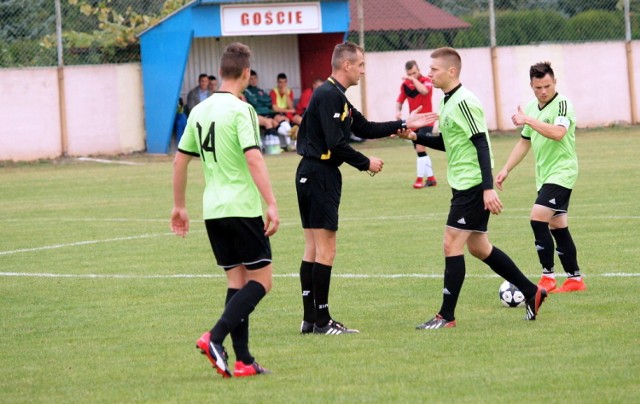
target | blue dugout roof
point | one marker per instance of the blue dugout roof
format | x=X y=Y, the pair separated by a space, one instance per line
x=165 y=50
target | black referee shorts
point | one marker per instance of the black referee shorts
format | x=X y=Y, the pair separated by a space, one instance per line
x=319 y=187
x=239 y=241
x=467 y=210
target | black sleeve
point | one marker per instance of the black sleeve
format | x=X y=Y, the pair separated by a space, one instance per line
x=372 y=130
x=351 y=156
x=336 y=132
x=433 y=142
x=479 y=140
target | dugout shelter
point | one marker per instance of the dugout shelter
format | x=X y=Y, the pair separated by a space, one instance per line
x=296 y=38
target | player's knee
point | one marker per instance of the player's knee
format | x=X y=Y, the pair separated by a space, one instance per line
x=540 y=229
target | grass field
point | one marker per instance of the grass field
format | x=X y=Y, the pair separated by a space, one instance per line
x=100 y=303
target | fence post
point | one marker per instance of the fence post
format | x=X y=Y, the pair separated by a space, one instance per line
x=495 y=75
x=64 y=139
x=363 y=82
x=630 y=74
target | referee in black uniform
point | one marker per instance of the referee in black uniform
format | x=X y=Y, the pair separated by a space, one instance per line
x=323 y=143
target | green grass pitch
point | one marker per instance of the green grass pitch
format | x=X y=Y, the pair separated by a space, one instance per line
x=100 y=303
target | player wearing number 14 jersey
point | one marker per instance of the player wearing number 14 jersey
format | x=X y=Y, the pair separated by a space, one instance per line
x=223 y=131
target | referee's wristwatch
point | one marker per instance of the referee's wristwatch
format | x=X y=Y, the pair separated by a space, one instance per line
x=404 y=124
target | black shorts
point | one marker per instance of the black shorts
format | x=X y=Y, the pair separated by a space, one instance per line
x=467 y=210
x=554 y=197
x=239 y=241
x=319 y=186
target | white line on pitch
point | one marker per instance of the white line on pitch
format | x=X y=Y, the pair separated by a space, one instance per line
x=52 y=247
x=105 y=161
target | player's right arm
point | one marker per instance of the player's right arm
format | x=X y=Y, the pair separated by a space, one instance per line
x=554 y=131
x=179 y=216
x=518 y=153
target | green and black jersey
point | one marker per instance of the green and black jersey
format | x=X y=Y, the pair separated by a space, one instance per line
x=556 y=160
x=219 y=131
x=461 y=117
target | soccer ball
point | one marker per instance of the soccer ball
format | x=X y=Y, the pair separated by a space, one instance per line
x=510 y=296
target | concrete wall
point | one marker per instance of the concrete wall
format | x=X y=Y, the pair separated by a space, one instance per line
x=104 y=111
x=593 y=76
x=30 y=116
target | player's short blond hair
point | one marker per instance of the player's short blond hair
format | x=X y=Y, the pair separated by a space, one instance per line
x=450 y=56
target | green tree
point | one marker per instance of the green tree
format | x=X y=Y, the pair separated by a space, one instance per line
x=573 y=7
x=594 y=25
x=529 y=26
x=105 y=31
x=22 y=24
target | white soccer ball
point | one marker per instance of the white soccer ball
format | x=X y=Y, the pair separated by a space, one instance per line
x=510 y=296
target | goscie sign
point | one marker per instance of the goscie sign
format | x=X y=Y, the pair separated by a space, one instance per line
x=292 y=18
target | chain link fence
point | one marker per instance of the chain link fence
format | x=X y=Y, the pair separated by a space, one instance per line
x=517 y=22
x=104 y=31
x=93 y=31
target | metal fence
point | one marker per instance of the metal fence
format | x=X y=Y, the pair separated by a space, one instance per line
x=82 y=32
x=493 y=23
x=104 y=31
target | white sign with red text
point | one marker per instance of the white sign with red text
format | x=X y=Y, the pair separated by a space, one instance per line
x=291 y=18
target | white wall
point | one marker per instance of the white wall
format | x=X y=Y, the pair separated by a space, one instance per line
x=593 y=76
x=30 y=116
x=104 y=110
x=105 y=113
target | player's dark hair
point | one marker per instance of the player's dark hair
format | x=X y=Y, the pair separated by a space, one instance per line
x=212 y=78
x=235 y=58
x=541 y=69
x=344 y=51
x=282 y=76
x=254 y=73
x=451 y=56
x=203 y=75
x=409 y=65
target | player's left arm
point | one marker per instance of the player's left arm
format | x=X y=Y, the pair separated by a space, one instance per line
x=478 y=135
x=554 y=131
x=260 y=175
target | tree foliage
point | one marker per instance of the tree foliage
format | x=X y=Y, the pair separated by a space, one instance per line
x=113 y=29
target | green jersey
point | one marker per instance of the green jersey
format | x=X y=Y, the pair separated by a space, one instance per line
x=219 y=130
x=461 y=117
x=556 y=160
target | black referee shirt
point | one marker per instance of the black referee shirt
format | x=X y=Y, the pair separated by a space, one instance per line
x=327 y=125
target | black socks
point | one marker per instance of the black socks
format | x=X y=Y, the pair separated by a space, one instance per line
x=454 y=272
x=240 y=305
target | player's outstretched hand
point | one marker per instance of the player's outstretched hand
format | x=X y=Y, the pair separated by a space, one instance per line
x=492 y=201
x=406 y=134
x=180 y=222
x=419 y=120
x=272 y=221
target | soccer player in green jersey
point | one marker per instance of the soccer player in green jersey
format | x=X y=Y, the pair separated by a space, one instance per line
x=223 y=132
x=549 y=127
x=465 y=138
